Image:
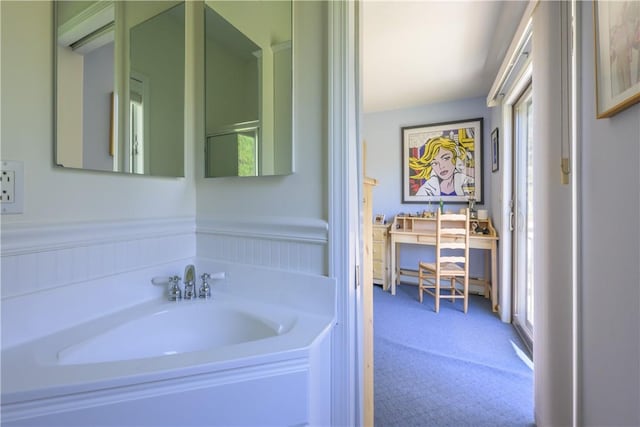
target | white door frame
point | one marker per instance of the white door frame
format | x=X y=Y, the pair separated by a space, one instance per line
x=344 y=188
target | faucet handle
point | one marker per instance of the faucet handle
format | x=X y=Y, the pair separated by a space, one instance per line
x=161 y=280
x=174 y=291
x=205 y=289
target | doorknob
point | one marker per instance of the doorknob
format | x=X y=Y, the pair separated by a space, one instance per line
x=511 y=215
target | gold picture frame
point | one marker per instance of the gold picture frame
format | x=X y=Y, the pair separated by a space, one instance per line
x=617 y=55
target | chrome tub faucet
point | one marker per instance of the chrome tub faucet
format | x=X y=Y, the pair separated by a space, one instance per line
x=176 y=293
x=190 y=282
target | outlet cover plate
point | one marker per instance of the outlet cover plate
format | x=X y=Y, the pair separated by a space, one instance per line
x=12 y=174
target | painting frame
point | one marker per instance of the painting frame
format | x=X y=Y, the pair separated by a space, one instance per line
x=617 y=81
x=461 y=143
x=495 y=150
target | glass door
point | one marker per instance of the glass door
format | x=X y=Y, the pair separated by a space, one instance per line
x=523 y=221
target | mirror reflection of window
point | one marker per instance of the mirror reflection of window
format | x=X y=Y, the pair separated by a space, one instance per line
x=247 y=154
x=136 y=137
x=233 y=153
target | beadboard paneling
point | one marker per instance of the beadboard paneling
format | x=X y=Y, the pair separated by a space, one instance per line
x=44 y=256
x=292 y=244
x=38 y=257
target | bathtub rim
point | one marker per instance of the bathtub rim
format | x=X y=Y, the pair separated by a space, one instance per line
x=48 y=384
x=111 y=324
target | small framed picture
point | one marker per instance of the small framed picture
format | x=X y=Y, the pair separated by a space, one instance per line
x=495 y=151
x=617 y=43
x=378 y=219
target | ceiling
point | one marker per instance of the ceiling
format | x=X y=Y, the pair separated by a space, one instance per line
x=422 y=52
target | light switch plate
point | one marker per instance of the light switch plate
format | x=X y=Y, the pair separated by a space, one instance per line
x=12 y=187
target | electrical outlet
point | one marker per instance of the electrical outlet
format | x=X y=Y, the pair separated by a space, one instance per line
x=11 y=186
x=7 y=178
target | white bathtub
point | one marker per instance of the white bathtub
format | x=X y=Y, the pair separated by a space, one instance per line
x=174 y=328
x=200 y=362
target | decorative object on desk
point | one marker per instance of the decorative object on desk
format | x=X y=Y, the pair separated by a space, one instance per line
x=495 y=151
x=616 y=37
x=427 y=214
x=473 y=214
x=442 y=161
x=378 y=219
x=483 y=214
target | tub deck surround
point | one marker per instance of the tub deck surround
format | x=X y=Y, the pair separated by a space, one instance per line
x=282 y=349
x=49 y=311
x=33 y=371
x=309 y=293
x=88 y=286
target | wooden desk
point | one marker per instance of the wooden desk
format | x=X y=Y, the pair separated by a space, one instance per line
x=422 y=231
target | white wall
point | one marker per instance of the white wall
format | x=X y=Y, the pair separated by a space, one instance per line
x=552 y=350
x=609 y=289
x=498 y=206
x=53 y=194
x=381 y=131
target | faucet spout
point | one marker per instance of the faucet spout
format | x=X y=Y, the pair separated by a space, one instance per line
x=189 y=282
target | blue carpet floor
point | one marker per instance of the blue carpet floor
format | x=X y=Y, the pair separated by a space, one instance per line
x=446 y=369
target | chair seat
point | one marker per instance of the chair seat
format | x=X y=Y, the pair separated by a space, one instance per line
x=448 y=268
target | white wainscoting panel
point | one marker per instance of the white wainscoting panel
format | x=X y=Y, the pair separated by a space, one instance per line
x=37 y=257
x=292 y=244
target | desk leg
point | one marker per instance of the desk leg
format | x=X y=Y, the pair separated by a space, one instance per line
x=485 y=279
x=494 y=276
x=394 y=273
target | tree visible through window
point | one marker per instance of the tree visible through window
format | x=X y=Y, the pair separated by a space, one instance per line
x=247 y=155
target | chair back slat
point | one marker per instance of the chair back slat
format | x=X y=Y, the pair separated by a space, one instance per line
x=452 y=235
x=453 y=217
x=452 y=260
x=452 y=245
x=453 y=231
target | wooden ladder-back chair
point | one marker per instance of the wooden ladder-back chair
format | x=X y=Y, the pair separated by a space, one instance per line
x=452 y=260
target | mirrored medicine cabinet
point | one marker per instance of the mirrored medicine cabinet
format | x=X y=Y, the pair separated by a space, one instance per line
x=119 y=82
x=248 y=88
x=120 y=77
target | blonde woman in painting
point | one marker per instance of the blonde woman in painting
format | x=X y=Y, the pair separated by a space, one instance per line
x=443 y=167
